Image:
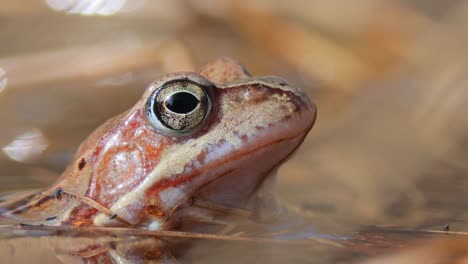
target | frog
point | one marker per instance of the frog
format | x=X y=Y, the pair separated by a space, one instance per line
x=198 y=149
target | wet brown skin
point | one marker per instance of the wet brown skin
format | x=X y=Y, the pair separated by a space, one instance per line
x=120 y=155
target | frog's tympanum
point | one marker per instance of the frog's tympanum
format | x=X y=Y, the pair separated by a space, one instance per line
x=194 y=149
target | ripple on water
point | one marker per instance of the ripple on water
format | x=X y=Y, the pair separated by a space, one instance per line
x=3 y=80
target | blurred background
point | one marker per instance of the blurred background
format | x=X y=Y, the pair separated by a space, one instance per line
x=389 y=78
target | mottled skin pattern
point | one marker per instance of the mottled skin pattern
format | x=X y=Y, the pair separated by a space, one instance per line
x=147 y=179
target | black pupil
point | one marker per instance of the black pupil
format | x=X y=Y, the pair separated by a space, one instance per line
x=181 y=103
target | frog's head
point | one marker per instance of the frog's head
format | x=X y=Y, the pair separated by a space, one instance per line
x=216 y=135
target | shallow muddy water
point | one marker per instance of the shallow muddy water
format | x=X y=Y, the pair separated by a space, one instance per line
x=388 y=149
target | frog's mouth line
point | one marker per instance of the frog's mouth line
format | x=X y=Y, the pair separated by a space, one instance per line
x=271 y=144
x=251 y=214
x=239 y=156
x=242 y=155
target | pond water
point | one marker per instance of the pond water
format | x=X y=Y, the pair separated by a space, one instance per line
x=388 y=149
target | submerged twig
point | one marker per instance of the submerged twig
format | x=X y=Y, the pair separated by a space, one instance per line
x=426 y=231
x=166 y=234
x=90 y=202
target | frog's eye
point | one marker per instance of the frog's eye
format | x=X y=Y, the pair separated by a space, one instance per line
x=179 y=107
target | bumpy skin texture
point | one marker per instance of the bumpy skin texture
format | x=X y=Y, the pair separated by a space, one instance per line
x=147 y=178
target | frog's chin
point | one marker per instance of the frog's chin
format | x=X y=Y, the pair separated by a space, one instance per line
x=247 y=183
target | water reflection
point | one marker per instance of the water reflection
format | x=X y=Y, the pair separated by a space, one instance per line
x=93 y=7
x=3 y=80
x=122 y=245
x=27 y=146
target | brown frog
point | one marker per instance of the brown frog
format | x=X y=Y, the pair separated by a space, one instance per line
x=197 y=148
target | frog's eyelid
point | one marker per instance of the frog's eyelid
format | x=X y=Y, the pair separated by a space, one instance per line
x=182 y=76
